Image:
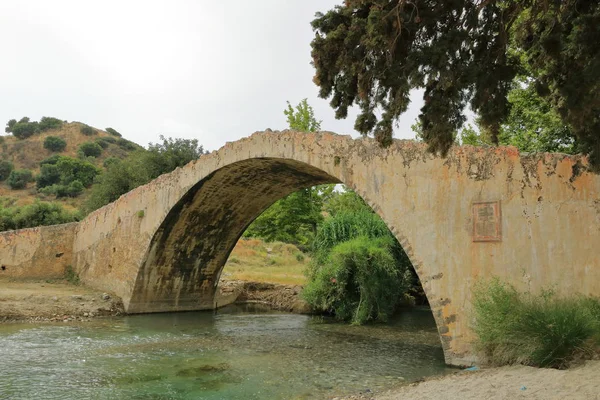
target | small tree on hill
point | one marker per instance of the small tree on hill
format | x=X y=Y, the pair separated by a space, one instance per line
x=6 y=167
x=55 y=143
x=18 y=179
x=48 y=123
x=90 y=149
x=87 y=130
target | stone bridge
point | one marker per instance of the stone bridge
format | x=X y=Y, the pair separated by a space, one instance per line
x=532 y=220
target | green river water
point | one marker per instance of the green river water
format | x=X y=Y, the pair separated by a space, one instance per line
x=240 y=353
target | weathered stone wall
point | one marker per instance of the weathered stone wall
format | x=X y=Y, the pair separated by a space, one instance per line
x=170 y=257
x=42 y=252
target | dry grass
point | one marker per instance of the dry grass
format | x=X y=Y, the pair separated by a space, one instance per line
x=257 y=261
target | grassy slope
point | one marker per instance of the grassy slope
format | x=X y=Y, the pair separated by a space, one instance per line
x=27 y=154
x=257 y=261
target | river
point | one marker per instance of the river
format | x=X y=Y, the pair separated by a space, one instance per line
x=242 y=352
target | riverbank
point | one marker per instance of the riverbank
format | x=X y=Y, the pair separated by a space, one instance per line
x=512 y=382
x=58 y=300
x=46 y=301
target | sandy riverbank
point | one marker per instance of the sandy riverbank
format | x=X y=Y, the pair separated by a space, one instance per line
x=505 y=383
x=38 y=301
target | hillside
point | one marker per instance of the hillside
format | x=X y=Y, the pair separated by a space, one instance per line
x=27 y=153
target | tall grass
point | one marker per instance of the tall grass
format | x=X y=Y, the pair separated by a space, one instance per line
x=360 y=282
x=540 y=330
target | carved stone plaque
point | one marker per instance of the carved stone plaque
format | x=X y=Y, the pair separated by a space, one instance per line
x=487 y=222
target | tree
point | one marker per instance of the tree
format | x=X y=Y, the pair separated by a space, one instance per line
x=302 y=117
x=373 y=53
x=90 y=149
x=47 y=123
x=140 y=167
x=55 y=143
x=19 y=178
x=6 y=168
x=293 y=219
x=87 y=130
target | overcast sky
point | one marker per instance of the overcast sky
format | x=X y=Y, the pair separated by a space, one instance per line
x=212 y=70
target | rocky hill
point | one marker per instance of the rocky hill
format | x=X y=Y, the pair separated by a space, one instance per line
x=27 y=153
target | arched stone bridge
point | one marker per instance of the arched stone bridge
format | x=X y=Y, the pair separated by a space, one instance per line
x=532 y=220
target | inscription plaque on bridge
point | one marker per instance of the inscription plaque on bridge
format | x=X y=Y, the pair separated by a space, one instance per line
x=487 y=223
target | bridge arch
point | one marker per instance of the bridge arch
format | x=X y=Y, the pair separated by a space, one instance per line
x=161 y=247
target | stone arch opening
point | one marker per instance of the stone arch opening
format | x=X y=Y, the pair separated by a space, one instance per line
x=183 y=263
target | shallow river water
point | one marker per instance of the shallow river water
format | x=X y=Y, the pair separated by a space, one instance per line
x=239 y=353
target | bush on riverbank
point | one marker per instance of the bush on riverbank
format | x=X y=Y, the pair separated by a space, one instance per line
x=359 y=282
x=540 y=330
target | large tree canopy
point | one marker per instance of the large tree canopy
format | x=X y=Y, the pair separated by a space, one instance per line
x=461 y=52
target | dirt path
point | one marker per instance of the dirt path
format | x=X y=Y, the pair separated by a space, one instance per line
x=506 y=383
x=53 y=301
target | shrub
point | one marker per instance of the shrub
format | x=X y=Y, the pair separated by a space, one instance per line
x=110 y=161
x=36 y=214
x=102 y=143
x=24 y=129
x=126 y=144
x=49 y=175
x=55 y=143
x=71 y=276
x=360 y=281
x=6 y=168
x=19 y=178
x=87 y=130
x=108 y=139
x=90 y=149
x=113 y=132
x=47 y=123
x=53 y=159
x=540 y=330
x=72 y=169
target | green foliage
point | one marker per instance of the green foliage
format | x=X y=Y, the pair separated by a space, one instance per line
x=72 y=169
x=140 y=167
x=109 y=161
x=113 y=132
x=10 y=125
x=102 y=143
x=53 y=159
x=107 y=139
x=19 y=178
x=48 y=123
x=65 y=176
x=23 y=128
x=541 y=330
x=141 y=214
x=345 y=201
x=293 y=219
x=90 y=149
x=49 y=175
x=359 y=282
x=373 y=53
x=36 y=214
x=87 y=130
x=127 y=145
x=55 y=143
x=302 y=117
x=6 y=168
x=534 y=126
x=71 y=276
